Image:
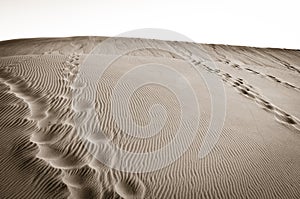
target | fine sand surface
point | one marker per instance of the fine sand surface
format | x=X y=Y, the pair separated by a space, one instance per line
x=257 y=154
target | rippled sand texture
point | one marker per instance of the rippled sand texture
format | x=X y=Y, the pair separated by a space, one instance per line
x=42 y=156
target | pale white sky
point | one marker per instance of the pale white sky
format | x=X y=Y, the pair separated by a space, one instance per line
x=253 y=23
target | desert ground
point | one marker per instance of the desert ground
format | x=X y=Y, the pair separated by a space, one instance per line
x=44 y=155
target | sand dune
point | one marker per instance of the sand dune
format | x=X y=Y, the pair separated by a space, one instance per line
x=43 y=153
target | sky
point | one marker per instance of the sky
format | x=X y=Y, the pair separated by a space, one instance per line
x=235 y=22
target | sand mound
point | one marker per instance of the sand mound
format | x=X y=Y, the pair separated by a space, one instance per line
x=43 y=154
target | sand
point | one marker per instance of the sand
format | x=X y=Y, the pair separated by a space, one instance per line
x=44 y=156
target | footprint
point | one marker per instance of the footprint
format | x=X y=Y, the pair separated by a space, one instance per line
x=79 y=177
x=82 y=105
x=284 y=117
x=235 y=66
x=290 y=67
x=47 y=153
x=245 y=91
x=253 y=71
x=289 y=85
x=227 y=76
x=265 y=105
x=274 y=78
x=83 y=192
x=78 y=84
x=130 y=188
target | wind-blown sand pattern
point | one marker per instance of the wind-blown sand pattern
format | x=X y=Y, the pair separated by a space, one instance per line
x=42 y=155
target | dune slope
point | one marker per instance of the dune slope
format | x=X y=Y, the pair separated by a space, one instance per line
x=44 y=156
